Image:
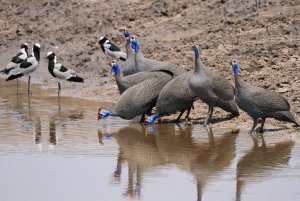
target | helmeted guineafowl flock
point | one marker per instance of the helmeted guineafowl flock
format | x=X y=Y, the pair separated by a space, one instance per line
x=152 y=89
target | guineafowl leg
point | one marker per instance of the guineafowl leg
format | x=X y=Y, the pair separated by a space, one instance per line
x=261 y=130
x=188 y=114
x=255 y=121
x=209 y=115
x=178 y=118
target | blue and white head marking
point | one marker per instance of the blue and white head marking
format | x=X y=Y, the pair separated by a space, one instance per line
x=115 y=68
x=196 y=48
x=125 y=31
x=235 y=66
x=134 y=43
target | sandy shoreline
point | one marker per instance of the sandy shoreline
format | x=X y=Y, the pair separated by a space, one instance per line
x=265 y=42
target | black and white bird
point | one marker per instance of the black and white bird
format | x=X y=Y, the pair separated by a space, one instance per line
x=59 y=71
x=111 y=50
x=29 y=65
x=17 y=59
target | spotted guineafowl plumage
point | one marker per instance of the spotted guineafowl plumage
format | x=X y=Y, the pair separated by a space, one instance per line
x=260 y=103
x=213 y=89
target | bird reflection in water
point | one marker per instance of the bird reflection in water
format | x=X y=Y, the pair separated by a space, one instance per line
x=61 y=119
x=38 y=131
x=144 y=150
x=261 y=161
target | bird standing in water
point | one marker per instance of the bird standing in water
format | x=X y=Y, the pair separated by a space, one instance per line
x=16 y=61
x=29 y=65
x=260 y=103
x=59 y=71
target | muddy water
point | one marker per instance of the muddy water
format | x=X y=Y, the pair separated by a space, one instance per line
x=56 y=150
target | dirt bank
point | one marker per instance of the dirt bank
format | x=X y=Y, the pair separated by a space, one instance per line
x=265 y=39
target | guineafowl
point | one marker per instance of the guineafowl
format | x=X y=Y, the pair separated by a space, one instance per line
x=138 y=99
x=175 y=96
x=145 y=64
x=260 y=103
x=213 y=89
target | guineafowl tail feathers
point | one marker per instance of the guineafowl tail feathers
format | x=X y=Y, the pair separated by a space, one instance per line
x=12 y=77
x=286 y=116
x=5 y=71
x=75 y=79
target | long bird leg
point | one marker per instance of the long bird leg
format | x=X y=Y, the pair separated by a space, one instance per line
x=255 y=121
x=17 y=86
x=59 y=88
x=261 y=130
x=29 y=91
x=188 y=114
x=209 y=115
x=179 y=116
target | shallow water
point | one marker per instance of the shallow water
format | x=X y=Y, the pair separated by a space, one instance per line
x=56 y=150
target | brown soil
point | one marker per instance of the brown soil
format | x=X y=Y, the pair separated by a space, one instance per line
x=265 y=39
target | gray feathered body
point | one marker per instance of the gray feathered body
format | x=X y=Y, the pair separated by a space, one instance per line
x=175 y=96
x=129 y=65
x=214 y=90
x=140 y=98
x=145 y=64
x=125 y=82
x=262 y=103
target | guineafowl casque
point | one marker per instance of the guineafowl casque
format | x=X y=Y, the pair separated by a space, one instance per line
x=260 y=103
x=213 y=89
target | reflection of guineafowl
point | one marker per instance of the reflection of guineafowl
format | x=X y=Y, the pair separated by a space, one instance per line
x=175 y=96
x=125 y=82
x=16 y=60
x=145 y=64
x=138 y=99
x=59 y=71
x=260 y=103
x=214 y=90
x=111 y=50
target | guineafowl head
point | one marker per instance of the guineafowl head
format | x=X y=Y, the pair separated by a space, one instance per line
x=114 y=66
x=235 y=66
x=102 y=113
x=125 y=31
x=196 y=49
x=134 y=43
